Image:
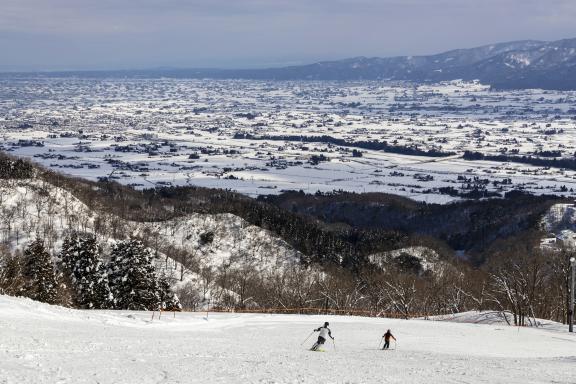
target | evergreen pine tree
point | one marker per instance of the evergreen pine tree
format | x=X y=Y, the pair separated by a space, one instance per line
x=132 y=278
x=11 y=280
x=169 y=300
x=83 y=265
x=38 y=270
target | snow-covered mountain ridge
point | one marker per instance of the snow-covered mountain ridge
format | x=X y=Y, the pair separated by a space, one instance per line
x=32 y=208
x=183 y=247
x=511 y=65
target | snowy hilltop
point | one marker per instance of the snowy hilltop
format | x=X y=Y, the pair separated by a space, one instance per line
x=35 y=209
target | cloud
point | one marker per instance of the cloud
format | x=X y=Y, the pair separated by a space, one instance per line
x=226 y=32
x=100 y=16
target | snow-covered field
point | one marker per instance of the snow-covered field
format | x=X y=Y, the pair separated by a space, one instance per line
x=203 y=132
x=46 y=344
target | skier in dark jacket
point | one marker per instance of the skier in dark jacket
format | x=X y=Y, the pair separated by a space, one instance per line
x=387 y=336
x=324 y=332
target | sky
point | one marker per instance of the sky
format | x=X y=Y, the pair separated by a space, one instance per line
x=134 y=34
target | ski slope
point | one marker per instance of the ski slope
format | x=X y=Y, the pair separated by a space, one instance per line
x=47 y=344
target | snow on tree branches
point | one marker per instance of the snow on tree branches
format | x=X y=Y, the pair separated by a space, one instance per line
x=80 y=257
x=38 y=269
x=132 y=278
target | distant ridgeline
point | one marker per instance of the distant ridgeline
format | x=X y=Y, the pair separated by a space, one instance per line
x=511 y=65
x=374 y=145
x=537 y=161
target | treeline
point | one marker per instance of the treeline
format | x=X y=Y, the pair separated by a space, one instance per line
x=319 y=243
x=472 y=226
x=474 y=192
x=11 y=168
x=520 y=281
x=78 y=277
x=537 y=161
x=374 y=145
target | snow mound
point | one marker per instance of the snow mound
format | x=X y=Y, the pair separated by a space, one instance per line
x=496 y=318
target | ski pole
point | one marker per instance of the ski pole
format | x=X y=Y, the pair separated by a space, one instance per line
x=305 y=340
x=334 y=344
x=380 y=343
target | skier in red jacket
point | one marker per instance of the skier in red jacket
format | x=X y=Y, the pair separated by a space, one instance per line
x=387 y=336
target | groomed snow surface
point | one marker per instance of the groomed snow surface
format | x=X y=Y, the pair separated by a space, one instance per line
x=48 y=344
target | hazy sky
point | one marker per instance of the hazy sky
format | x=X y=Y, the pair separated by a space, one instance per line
x=83 y=34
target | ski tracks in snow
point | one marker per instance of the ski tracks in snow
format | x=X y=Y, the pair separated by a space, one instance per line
x=43 y=344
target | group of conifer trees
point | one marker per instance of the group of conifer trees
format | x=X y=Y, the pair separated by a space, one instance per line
x=79 y=277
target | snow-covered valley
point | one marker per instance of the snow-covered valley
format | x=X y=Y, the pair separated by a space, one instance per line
x=48 y=344
x=262 y=138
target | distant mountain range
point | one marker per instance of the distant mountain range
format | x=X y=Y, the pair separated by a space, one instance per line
x=519 y=64
x=513 y=65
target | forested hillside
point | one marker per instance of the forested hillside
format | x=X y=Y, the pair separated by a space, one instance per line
x=471 y=226
x=342 y=252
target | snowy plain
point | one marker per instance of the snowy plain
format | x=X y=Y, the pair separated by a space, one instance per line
x=149 y=133
x=40 y=343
